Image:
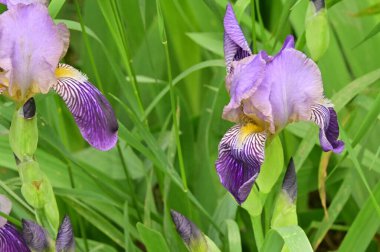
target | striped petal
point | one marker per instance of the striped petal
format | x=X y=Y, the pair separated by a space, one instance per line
x=326 y=119
x=235 y=44
x=241 y=154
x=91 y=110
x=65 y=238
x=11 y=240
x=35 y=236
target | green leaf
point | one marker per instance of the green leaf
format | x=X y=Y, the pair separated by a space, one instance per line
x=233 y=236
x=293 y=237
x=272 y=167
x=375 y=30
x=371 y=10
x=208 y=40
x=55 y=6
x=153 y=240
x=364 y=227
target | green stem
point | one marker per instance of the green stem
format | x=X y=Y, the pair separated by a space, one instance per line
x=258 y=231
x=14 y=221
x=174 y=114
x=129 y=180
x=253 y=19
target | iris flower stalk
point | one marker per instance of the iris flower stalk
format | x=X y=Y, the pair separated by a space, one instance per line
x=267 y=93
x=31 y=46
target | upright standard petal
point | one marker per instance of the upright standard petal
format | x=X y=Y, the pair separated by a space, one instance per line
x=241 y=154
x=189 y=232
x=235 y=44
x=11 y=240
x=5 y=207
x=295 y=83
x=35 y=236
x=12 y=3
x=91 y=110
x=65 y=238
x=242 y=83
x=30 y=48
x=325 y=117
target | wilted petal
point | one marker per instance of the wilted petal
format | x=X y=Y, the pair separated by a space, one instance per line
x=235 y=45
x=289 y=184
x=241 y=153
x=34 y=235
x=30 y=48
x=326 y=119
x=65 y=238
x=5 y=207
x=189 y=232
x=295 y=84
x=11 y=240
x=242 y=83
x=91 y=110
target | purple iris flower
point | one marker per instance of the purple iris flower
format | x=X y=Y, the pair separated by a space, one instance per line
x=33 y=236
x=267 y=93
x=31 y=46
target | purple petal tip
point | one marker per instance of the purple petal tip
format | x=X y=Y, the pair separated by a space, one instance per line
x=65 y=238
x=11 y=240
x=34 y=235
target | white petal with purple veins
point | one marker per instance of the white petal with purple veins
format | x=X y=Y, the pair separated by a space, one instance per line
x=91 y=110
x=241 y=154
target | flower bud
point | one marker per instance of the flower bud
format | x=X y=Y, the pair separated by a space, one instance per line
x=317 y=29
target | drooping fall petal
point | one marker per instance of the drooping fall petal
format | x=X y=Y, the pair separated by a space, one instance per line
x=91 y=110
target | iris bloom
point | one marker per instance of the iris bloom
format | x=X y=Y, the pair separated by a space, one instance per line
x=267 y=93
x=31 y=46
x=33 y=236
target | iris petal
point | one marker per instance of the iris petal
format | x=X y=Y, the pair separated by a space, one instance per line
x=30 y=49
x=235 y=44
x=241 y=154
x=65 y=238
x=326 y=119
x=11 y=240
x=91 y=110
x=34 y=235
x=243 y=83
x=292 y=84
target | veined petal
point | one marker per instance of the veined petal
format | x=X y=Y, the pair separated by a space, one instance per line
x=91 y=110
x=34 y=235
x=235 y=44
x=241 y=154
x=30 y=48
x=295 y=83
x=65 y=238
x=326 y=119
x=242 y=83
x=5 y=207
x=11 y=240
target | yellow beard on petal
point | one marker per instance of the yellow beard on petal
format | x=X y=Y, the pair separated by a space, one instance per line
x=67 y=71
x=247 y=129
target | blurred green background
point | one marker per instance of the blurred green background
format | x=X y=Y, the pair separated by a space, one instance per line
x=107 y=193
